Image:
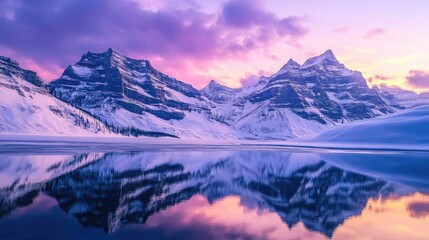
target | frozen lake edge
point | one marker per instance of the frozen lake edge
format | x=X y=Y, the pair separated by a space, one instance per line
x=12 y=144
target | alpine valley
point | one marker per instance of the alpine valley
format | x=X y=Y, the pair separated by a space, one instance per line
x=110 y=94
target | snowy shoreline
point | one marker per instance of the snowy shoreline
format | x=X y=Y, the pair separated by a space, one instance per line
x=28 y=142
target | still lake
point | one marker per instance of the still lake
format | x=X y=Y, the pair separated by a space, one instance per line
x=212 y=193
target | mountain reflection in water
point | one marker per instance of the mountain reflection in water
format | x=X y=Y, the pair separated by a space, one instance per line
x=213 y=195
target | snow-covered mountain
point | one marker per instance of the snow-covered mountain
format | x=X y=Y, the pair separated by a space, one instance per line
x=402 y=99
x=122 y=188
x=26 y=107
x=298 y=100
x=127 y=93
x=107 y=91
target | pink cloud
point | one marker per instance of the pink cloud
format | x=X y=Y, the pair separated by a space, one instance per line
x=252 y=79
x=418 y=79
x=378 y=78
x=374 y=33
x=181 y=40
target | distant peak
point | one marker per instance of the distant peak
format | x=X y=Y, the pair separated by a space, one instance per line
x=111 y=57
x=292 y=62
x=114 y=56
x=327 y=55
x=110 y=53
x=290 y=65
x=112 y=50
x=213 y=82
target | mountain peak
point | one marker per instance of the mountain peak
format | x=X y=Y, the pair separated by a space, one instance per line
x=92 y=59
x=113 y=52
x=328 y=55
x=291 y=64
x=213 y=85
x=218 y=93
x=114 y=55
x=111 y=56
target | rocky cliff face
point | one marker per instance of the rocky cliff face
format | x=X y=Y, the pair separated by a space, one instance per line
x=322 y=89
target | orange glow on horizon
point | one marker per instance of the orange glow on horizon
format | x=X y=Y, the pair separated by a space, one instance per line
x=387 y=219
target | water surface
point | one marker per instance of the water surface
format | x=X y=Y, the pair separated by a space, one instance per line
x=210 y=193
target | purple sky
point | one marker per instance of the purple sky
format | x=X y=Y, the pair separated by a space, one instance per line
x=195 y=41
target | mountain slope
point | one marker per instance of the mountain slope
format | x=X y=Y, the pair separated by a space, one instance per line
x=125 y=92
x=300 y=100
x=409 y=127
x=26 y=107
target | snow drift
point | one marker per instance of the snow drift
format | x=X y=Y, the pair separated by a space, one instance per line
x=409 y=127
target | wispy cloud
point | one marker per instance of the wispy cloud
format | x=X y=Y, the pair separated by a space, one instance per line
x=374 y=33
x=379 y=78
x=342 y=30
